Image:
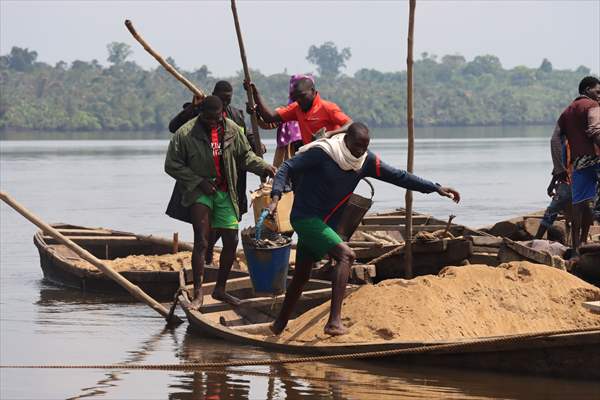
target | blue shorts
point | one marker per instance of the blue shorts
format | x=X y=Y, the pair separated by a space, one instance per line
x=584 y=183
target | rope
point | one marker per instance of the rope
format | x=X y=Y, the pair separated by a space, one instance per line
x=335 y=357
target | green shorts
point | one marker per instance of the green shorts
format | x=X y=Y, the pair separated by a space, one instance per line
x=222 y=212
x=315 y=238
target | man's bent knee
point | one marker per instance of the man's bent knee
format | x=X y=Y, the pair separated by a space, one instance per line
x=342 y=253
x=348 y=256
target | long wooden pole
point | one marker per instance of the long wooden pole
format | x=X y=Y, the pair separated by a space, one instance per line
x=411 y=138
x=198 y=92
x=253 y=117
x=86 y=255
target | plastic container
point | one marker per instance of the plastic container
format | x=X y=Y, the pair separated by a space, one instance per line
x=261 y=198
x=268 y=268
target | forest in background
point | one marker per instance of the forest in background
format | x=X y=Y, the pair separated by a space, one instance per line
x=449 y=91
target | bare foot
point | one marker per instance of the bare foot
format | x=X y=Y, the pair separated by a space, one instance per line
x=335 y=329
x=226 y=297
x=277 y=327
x=198 y=298
x=196 y=303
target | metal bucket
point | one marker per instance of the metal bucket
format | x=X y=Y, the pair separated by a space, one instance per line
x=268 y=268
x=356 y=208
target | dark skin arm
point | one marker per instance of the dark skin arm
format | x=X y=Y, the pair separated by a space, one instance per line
x=272 y=207
x=261 y=122
x=554 y=181
x=268 y=126
x=207 y=187
x=551 y=187
x=341 y=129
x=442 y=191
x=264 y=111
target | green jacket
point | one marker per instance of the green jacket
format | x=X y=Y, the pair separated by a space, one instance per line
x=190 y=159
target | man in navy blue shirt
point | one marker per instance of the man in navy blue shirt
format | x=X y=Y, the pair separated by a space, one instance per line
x=323 y=173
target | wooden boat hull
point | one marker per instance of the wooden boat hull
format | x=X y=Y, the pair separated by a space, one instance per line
x=429 y=257
x=587 y=267
x=59 y=267
x=569 y=355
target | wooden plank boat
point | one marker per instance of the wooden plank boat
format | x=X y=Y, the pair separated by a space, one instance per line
x=395 y=220
x=62 y=266
x=575 y=355
x=586 y=267
x=517 y=251
x=385 y=230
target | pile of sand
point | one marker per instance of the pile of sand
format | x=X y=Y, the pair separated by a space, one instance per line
x=461 y=302
x=165 y=262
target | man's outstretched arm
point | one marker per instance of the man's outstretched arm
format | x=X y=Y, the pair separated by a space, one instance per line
x=379 y=170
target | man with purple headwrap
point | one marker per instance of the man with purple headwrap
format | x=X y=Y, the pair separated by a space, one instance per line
x=289 y=138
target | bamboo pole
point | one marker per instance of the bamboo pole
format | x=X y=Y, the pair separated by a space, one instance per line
x=86 y=255
x=253 y=117
x=408 y=255
x=198 y=92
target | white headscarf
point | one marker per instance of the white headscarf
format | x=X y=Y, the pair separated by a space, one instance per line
x=336 y=148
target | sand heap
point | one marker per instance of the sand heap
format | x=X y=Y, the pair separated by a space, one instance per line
x=461 y=302
x=165 y=262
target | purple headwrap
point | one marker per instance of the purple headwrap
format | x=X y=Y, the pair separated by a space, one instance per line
x=289 y=132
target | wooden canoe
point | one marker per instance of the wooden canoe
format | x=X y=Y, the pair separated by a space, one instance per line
x=429 y=256
x=567 y=355
x=586 y=267
x=62 y=266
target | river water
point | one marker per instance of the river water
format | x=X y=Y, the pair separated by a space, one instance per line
x=120 y=184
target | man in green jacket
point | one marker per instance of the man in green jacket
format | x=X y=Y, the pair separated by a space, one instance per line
x=203 y=156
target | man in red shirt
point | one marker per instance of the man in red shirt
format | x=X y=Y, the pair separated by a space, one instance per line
x=315 y=116
x=580 y=122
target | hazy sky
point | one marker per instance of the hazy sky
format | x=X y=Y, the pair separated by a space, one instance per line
x=279 y=33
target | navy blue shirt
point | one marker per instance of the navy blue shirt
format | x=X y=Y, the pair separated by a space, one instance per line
x=320 y=184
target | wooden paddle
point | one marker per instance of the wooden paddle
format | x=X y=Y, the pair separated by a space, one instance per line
x=198 y=92
x=253 y=117
x=86 y=255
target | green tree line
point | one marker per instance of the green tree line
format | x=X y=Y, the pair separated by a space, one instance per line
x=449 y=91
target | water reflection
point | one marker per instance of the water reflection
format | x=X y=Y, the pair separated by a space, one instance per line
x=136 y=356
x=57 y=296
x=351 y=379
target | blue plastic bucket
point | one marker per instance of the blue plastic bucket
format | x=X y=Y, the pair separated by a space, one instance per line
x=268 y=268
